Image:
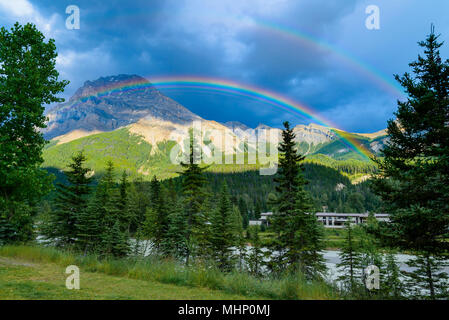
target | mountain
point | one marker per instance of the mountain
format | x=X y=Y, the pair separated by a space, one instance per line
x=234 y=125
x=124 y=118
x=100 y=106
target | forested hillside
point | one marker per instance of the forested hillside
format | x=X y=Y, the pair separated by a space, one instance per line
x=329 y=184
x=327 y=187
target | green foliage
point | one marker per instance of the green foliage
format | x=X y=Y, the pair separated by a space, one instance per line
x=193 y=191
x=427 y=279
x=239 y=237
x=157 y=223
x=339 y=149
x=350 y=260
x=28 y=81
x=223 y=232
x=413 y=180
x=177 y=233
x=298 y=236
x=115 y=241
x=71 y=202
x=138 y=202
x=126 y=150
x=255 y=257
x=392 y=286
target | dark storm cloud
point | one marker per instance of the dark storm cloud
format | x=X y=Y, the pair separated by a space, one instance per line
x=227 y=39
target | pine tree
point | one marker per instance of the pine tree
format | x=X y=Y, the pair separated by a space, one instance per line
x=157 y=221
x=414 y=180
x=428 y=278
x=244 y=211
x=370 y=255
x=257 y=210
x=177 y=232
x=89 y=228
x=298 y=242
x=112 y=203
x=71 y=202
x=193 y=183
x=239 y=236
x=140 y=245
x=392 y=285
x=350 y=260
x=116 y=241
x=112 y=239
x=136 y=208
x=223 y=231
x=255 y=256
x=123 y=202
x=92 y=225
x=204 y=234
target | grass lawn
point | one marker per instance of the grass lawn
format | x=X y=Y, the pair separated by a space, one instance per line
x=20 y=279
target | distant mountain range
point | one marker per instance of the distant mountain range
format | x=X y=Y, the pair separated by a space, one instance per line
x=136 y=129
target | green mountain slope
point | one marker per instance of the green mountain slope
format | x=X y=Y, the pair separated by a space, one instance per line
x=132 y=153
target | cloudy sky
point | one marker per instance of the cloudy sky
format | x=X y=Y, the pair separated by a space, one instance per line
x=318 y=53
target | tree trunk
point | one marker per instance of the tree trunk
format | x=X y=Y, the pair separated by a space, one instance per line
x=430 y=278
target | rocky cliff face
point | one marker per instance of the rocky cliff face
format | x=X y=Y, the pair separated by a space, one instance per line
x=112 y=102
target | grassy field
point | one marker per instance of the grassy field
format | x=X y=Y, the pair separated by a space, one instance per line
x=32 y=272
x=335 y=238
x=20 y=279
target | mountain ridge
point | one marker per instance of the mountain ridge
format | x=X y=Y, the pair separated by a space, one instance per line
x=105 y=119
x=87 y=110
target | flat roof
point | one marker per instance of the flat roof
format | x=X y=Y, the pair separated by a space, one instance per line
x=334 y=214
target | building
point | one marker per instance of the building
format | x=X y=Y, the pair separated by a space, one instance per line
x=338 y=220
x=262 y=220
x=329 y=219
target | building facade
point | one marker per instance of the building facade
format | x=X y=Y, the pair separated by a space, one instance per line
x=328 y=219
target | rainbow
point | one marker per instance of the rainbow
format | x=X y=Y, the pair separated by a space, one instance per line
x=307 y=39
x=231 y=87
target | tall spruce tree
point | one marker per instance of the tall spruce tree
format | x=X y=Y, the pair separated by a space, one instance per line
x=243 y=208
x=204 y=234
x=157 y=223
x=392 y=287
x=115 y=241
x=350 y=260
x=298 y=239
x=89 y=228
x=414 y=179
x=71 y=202
x=240 y=242
x=138 y=202
x=113 y=201
x=92 y=225
x=113 y=238
x=223 y=231
x=177 y=232
x=123 y=203
x=193 y=190
x=255 y=256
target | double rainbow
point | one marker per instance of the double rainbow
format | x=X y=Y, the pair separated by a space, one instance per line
x=234 y=88
x=300 y=37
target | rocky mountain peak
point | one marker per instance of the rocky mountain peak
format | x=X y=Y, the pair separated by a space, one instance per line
x=108 y=103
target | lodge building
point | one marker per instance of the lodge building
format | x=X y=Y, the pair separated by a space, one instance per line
x=328 y=219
